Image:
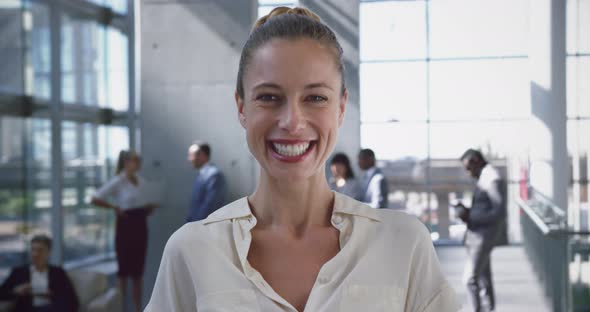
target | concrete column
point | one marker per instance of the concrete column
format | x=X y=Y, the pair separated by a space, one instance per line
x=189 y=60
x=442 y=197
x=343 y=17
x=548 y=145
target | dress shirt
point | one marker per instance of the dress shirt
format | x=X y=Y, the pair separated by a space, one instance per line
x=125 y=194
x=40 y=285
x=386 y=263
x=375 y=189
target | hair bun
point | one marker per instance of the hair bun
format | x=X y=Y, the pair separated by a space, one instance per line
x=285 y=10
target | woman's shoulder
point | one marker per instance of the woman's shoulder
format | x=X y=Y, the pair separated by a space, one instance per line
x=395 y=221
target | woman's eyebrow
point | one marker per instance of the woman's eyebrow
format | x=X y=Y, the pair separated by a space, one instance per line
x=318 y=85
x=267 y=85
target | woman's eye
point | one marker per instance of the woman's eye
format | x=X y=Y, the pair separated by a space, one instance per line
x=267 y=98
x=316 y=98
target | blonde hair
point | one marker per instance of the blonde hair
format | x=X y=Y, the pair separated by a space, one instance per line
x=288 y=23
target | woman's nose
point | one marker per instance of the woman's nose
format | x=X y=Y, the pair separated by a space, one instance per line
x=292 y=118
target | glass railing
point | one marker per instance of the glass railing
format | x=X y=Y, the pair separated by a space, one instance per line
x=559 y=255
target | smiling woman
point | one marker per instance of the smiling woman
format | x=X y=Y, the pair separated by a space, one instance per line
x=293 y=244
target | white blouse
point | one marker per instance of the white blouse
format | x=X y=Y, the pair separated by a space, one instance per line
x=39 y=285
x=125 y=194
x=386 y=263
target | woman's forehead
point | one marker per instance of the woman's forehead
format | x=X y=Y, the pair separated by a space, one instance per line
x=298 y=61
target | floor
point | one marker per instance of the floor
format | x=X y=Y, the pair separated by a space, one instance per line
x=517 y=288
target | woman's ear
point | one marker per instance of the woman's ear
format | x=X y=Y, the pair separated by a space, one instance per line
x=342 y=107
x=240 y=106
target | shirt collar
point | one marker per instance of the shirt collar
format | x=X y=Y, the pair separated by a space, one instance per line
x=342 y=205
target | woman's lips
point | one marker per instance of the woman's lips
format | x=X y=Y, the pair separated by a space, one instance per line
x=291 y=150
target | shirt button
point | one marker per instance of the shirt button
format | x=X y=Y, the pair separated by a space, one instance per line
x=323 y=280
x=337 y=219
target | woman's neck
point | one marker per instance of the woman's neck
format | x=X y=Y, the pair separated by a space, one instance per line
x=293 y=205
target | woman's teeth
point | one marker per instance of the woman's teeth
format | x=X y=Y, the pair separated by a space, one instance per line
x=291 y=150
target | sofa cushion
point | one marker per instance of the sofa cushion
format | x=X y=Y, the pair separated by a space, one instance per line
x=88 y=285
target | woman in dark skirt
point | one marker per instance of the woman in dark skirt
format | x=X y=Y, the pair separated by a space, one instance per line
x=123 y=193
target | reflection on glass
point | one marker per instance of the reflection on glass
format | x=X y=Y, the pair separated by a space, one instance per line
x=395 y=141
x=392 y=30
x=472 y=28
x=393 y=91
x=483 y=89
x=89 y=157
x=578 y=26
x=578 y=86
x=25 y=198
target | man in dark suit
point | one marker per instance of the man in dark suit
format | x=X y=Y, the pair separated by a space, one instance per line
x=486 y=228
x=40 y=287
x=209 y=188
x=374 y=190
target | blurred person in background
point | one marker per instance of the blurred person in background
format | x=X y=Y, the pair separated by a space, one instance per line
x=40 y=287
x=124 y=194
x=209 y=188
x=343 y=180
x=486 y=228
x=374 y=188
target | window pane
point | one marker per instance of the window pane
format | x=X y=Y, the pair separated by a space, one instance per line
x=460 y=28
x=89 y=158
x=392 y=30
x=82 y=61
x=578 y=26
x=393 y=91
x=395 y=141
x=94 y=65
x=117 y=88
x=25 y=199
x=450 y=139
x=11 y=44
x=38 y=64
x=482 y=89
x=578 y=86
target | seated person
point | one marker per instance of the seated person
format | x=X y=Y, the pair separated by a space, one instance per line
x=40 y=287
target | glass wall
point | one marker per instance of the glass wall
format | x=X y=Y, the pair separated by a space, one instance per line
x=437 y=78
x=65 y=113
x=578 y=107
